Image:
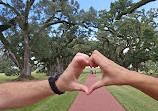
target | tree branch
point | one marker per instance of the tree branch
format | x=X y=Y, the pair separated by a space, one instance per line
x=52 y=17
x=49 y=19
x=27 y=9
x=113 y=32
x=61 y=49
x=7 y=5
x=11 y=50
x=12 y=22
x=4 y=27
x=133 y=8
x=53 y=23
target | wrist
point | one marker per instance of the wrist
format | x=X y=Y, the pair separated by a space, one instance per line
x=134 y=78
x=52 y=82
x=59 y=84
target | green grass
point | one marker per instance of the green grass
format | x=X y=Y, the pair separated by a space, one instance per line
x=4 y=78
x=55 y=102
x=39 y=75
x=132 y=99
x=87 y=70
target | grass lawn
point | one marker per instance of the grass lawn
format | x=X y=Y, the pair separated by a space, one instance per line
x=54 y=103
x=4 y=78
x=132 y=99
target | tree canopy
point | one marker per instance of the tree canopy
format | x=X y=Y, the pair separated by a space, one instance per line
x=52 y=32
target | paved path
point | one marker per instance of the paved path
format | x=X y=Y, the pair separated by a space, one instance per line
x=100 y=100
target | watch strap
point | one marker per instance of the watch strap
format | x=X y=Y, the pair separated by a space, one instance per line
x=52 y=84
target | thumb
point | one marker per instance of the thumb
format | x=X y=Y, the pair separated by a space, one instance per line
x=95 y=86
x=83 y=88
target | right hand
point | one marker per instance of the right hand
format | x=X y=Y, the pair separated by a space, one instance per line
x=112 y=73
x=68 y=81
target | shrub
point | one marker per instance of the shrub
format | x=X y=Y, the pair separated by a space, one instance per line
x=11 y=72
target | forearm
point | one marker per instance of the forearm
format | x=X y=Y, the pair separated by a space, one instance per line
x=147 y=84
x=21 y=94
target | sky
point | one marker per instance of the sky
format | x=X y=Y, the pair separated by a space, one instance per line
x=105 y=4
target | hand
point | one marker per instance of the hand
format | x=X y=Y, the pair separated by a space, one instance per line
x=68 y=80
x=112 y=74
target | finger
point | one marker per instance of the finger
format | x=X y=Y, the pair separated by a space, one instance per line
x=82 y=61
x=91 y=64
x=106 y=60
x=95 y=52
x=97 y=60
x=95 y=86
x=82 y=54
x=83 y=88
x=98 y=53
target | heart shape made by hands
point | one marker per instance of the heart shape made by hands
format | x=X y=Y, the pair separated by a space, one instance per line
x=112 y=73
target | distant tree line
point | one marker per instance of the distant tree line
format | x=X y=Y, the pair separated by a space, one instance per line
x=47 y=34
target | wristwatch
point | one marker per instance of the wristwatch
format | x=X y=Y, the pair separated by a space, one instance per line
x=52 y=84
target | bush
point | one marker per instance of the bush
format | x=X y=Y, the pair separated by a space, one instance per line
x=11 y=72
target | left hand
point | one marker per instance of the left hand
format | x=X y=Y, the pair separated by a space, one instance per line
x=112 y=73
x=68 y=80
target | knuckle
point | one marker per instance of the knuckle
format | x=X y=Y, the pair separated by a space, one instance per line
x=94 y=56
x=78 y=58
x=78 y=54
x=95 y=51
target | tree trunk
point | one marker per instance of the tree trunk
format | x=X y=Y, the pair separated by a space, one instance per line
x=26 y=71
x=50 y=69
x=27 y=67
x=59 y=66
x=135 y=67
x=108 y=48
x=24 y=65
